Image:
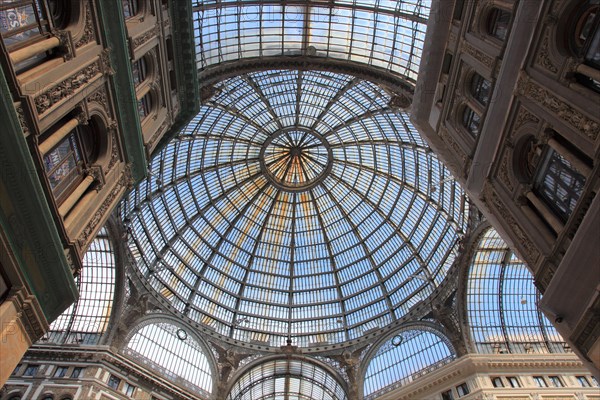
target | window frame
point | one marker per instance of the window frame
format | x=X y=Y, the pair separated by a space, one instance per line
x=498 y=23
x=113 y=382
x=549 y=180
x=480 y=89
x=513 y=381
x=540 y=381
x=60 y=372
x=31 y=370
x=471 y=121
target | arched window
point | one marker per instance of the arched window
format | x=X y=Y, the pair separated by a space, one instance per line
x=502 y=303
x=497 y=23
x=558 y=183
x=60 y=13
x=23 y=24
x=406 y=356
x=287 y=378
x=65 y=161
x=171 y=351
x=480 y=89
x=585 y=43
x=471 y=120
x=86 y=320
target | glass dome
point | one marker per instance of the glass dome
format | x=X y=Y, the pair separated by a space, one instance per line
x=297 y=206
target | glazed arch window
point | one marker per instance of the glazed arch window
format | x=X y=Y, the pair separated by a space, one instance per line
x=471 y=121
x=558 y=183
x=65 y=161
x=497 y=23
x=480 y=89
x=585 y=44
x=25 y=23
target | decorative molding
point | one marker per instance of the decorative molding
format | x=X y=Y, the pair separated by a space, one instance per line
x=543 y=57
x=114 y=152
x=100 y=97
x=145 y=37
x=105 y=63
x=89 y=31
x=477 y=54
x=524 y=116
x=22 y=119
x=66 y=88
x=530 y=251
x=124 y=182
x=556 y=106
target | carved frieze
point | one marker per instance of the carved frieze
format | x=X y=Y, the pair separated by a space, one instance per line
x=449 y=140
x=558 y=107
x=66 y=88
x=477 y=54
x=146 y=36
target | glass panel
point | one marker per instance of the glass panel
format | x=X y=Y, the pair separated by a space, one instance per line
x=384 y=34
x=502 y=303
x=357 y=230
x=559 y=184
x=169 y=350
x=498 y=23
x=289 y=379
x=405 y=358
x=86 y=320
x=480 y=89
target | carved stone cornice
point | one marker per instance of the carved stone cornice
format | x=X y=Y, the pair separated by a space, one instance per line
x=556 y=106
x=29 y=312
x=145 y=37
x=66 y=88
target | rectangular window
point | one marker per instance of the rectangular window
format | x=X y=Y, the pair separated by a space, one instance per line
x=583 y=382
x=114 y=382
x=513 y=381
x=60 y=372
x=462 y=389
x=595 y=381
x=447 y=395
x=16 y=370
x=77 y=372
x=559 y=184
x=497 y=382
x=540 y=381
x=31 y=370
x=61 y=165
x=555 y=381
x=128 y=389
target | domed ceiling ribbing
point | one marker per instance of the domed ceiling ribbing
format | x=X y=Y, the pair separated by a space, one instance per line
x=296 y=205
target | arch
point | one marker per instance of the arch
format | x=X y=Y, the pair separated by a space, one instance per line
x=174 y=350
x=85 y=321
x=300 y=378
x=501 y=303
x=404 y=355
x=340 y=30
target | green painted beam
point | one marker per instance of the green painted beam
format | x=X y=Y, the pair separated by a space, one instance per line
x=26 y=218
x=186 y=70
x=115 y=36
